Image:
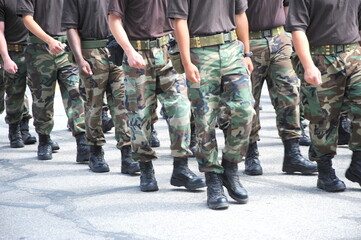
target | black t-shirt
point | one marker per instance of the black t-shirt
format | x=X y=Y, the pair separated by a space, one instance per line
x=46 y=13
x=266 y=14
x=90 y=17
x=15 y=31
x=143 y=19
x=207 y=16
x=326 y=21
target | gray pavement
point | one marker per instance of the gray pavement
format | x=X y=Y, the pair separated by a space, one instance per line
x=60 y=199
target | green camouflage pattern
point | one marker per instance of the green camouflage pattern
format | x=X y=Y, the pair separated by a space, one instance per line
x=143 y=87
x=14 y=85
x=45 y=69
x=107 y=79
x=225 y=92
x=271 y=62
x=341 y=84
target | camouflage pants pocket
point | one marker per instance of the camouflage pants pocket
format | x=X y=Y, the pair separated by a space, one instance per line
x=177 y=62
x=310 y=101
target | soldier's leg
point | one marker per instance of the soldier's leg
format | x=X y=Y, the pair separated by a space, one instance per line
x=236 y=96
x=353 y=90
x=15 y=85
x=154 y=141
x=324 y=119
x=2 y=89
x=24 y=124
x=260 y=60
x=283 y=85
x=139 y=99
x=42 y=81
x=115 y=99
x=177 y=108
x=95 y=87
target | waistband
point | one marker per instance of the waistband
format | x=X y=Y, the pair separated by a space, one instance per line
x=211 y=40
x=148 y=44
x=266 y=33
x=332 y=49
x=16 y=47
x=36 y=40
x=88 y=44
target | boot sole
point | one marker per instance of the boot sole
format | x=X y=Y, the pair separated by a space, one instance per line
x=100 y=170
x=352 y=177
x=330 y=189
x=290 y=170
x=179 y=183
x=253 y=173
x=218 y=206
x=132 y=171
x=149 y=189
x=45 y=157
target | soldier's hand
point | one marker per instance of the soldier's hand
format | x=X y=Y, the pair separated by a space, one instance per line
x=55 y=46
x=313 y=75
x=135 y=60
x=192 y=73
x=10 y=66
x=85 y=69
x=249 y=64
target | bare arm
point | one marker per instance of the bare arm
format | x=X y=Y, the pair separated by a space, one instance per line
x=54 y=45
x=243 y=35
x=312 y=74
x=116 y=27
x=9 y=65
x=75 y=44
x=182 y=32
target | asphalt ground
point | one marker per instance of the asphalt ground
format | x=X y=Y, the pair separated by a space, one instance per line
x=60 y=199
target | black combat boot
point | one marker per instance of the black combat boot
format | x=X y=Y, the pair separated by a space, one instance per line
x=14 y=136
x=327 y=179
x=128 y=165
x=304 y=139
x=83 y=153
x=107 y=122
x=215 y=194
x=182 y=176
x=96 y=161
x=252 y=163
x=44 y=148
x=193 y=141
x=25 y=134
x=54 y=145
x=154 y=141
x=293 y=161
x=230 y=179
x=353 y=173
x=344 y=130
x=148 y=183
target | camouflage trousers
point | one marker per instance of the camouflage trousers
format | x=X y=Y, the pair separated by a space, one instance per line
x=107 y=79
x=272 y=63
x=143 y=87
x=14 y=85
x=341 y=84
x=44 y=69
x=224 y=91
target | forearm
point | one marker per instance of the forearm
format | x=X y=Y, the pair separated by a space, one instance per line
x=182 y=36
x=33 y=27
x=302 y=47
x=75 y=44
x=116 y=27
x=242 y=30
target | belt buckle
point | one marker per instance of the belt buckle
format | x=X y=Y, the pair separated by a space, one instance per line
x=339 y=48
x=198 y=42
x=267 y=33
x=226 y=37
x=139 y=45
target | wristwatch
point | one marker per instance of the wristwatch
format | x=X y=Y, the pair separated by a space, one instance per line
x=249 y=54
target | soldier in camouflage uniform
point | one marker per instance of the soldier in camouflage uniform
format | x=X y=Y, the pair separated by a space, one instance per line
x=218 y=77
x=13 y=40
x=328 y=61
x=87 y=34
x=47 y=62
x=150 y=76
x=272 y=49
